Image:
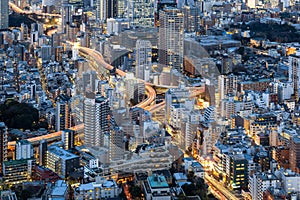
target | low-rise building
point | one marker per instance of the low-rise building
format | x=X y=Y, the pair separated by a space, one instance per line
x=157 y=188
x=100 y=189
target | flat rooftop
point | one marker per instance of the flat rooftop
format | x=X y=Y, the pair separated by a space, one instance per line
x=157 y=181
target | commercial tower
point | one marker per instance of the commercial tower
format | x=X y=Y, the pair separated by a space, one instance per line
x=143 y=59
x=4 y=14
x=3 y=143
x=96 y=121
x=170 y=41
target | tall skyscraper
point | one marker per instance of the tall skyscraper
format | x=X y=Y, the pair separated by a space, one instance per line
x=143 y=59
x=294 y=74
x=24 y=150
x=96 y=120
x=4 y=14
x=3 y=144
x=63 y=117
x=170 y=41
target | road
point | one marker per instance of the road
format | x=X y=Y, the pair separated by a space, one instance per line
x=151 y=94
x=15 y=8
x=224 y=191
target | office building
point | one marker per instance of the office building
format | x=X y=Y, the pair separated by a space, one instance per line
x=24 y=150
x=63 y=117
x=236 y=171
x=4 y=14
x=61 y=161
x=3 y=143
x=96 y=120
x=143 y=59
x=68 y=139
x=170 y=40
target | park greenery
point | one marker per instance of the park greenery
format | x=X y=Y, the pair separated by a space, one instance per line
x=20 y=116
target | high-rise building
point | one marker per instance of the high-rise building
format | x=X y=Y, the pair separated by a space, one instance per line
x=294 y=74
x=3 y=143
x=116 y=147
x=170 y=41
x=4 y=14
x=191 y=18
x=143 y=59
x=43 y=152
x=68 y=137
x=140 y=12
x=161 y=4
x=295 y=153
x=24 y=149
x=106 y=9
x=96 y=120
x=63 y=117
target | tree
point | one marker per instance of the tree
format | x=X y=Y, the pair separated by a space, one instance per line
x=136 y=191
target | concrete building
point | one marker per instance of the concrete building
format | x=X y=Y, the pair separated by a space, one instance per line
x=68 y=139
x=260 y=182
x=143 y=59
x=3 y=143
x=170 y=41
x=43 y=152
x=4 y=14
x=96 y=119
x=294 y=158
x=156 y=188
x=17 y=171
x=62 y=113
x=294 y=73
x=100 y=189
x=61 y=161
x=24 y=149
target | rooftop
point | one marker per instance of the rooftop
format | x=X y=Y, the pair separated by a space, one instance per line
x=157 y=181
x=63 y=154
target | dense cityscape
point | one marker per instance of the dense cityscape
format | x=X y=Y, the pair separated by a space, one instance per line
x=149 y=99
